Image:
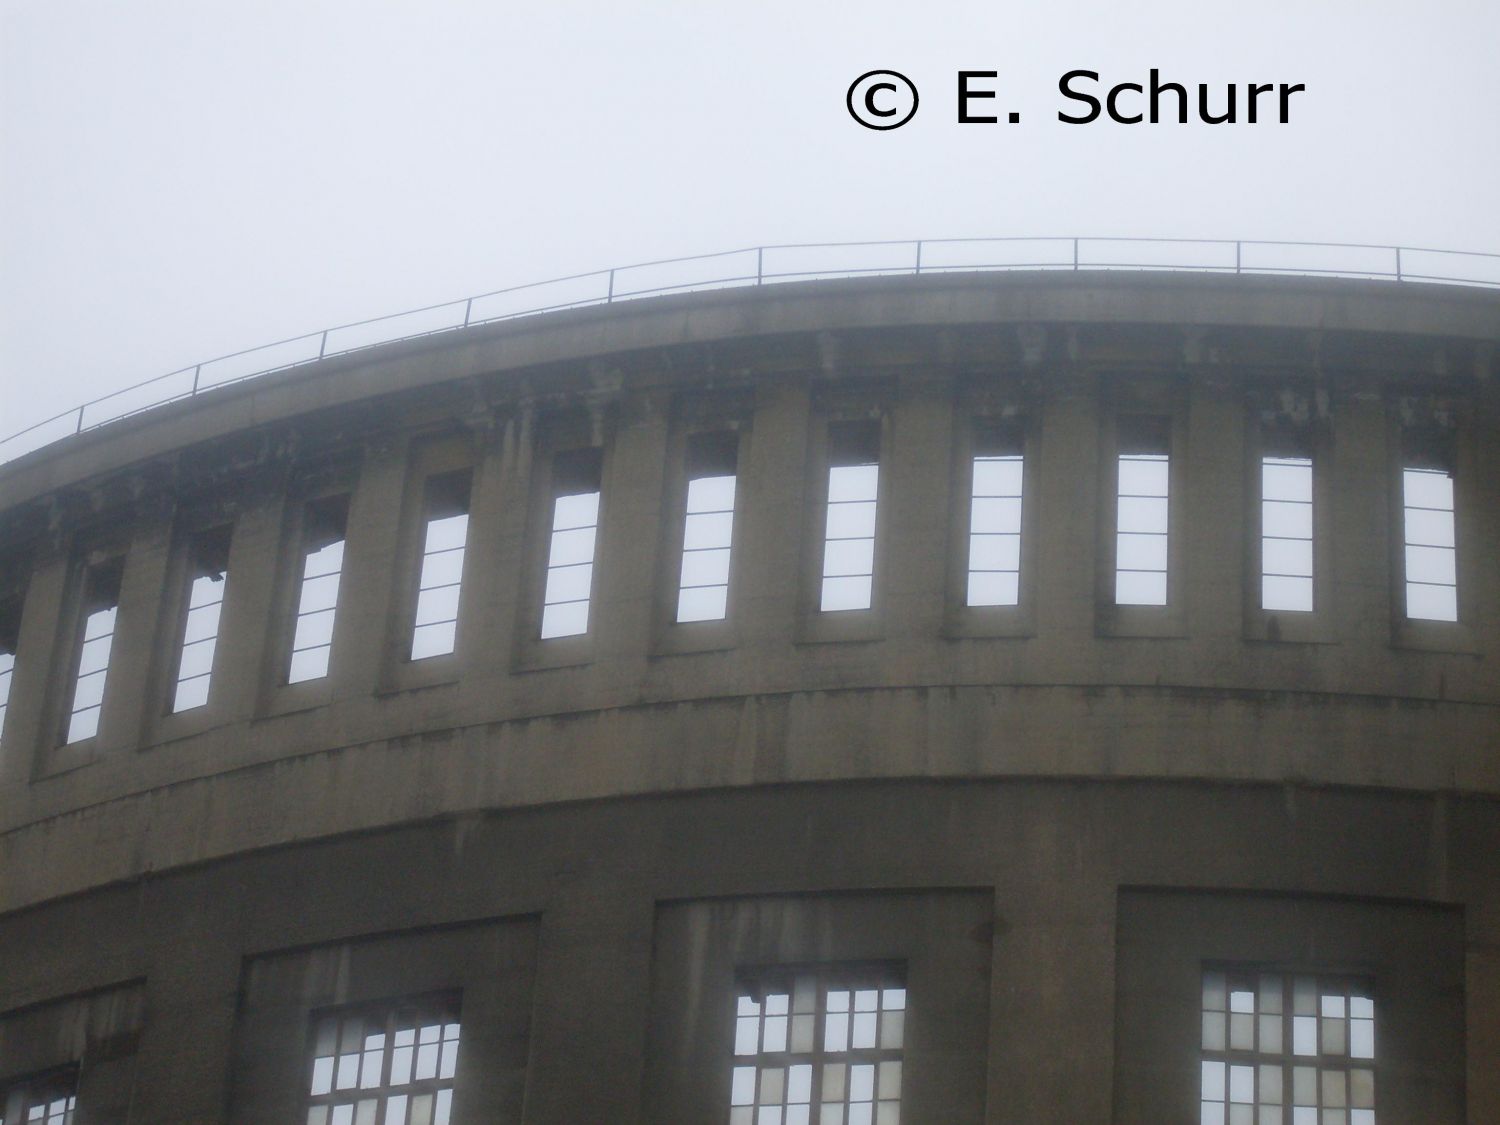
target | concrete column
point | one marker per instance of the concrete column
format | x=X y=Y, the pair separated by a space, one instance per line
x=1361 y=527
x=36 y=685
x=363 y=627
x=1213 y=497
x=592 y=994
x=773 y=482
x=144 y=648
x=245 y=625
x=913 y=540
x=497 y=531
x=193 y=977
x=630 y=536
x=1065 y=491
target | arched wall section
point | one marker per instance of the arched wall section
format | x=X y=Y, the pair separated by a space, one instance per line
x=1348 y=751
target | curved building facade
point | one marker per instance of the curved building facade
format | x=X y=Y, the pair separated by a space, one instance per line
x=1040 y=697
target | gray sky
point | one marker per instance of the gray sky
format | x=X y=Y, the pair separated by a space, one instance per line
x=182 y=178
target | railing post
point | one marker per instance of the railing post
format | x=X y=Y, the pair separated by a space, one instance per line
x=468 y=309
x=760 y=260
x=610 y=296
x=197 y=371
x=919 y=255
x=78 y=429
x=1398 y=263
x=1236 y=255
x=1075 y=254
x=323 y=344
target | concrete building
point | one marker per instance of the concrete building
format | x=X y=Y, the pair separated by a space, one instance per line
x=1034 y=697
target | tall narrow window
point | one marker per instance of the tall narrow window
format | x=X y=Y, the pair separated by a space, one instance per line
x=818 y=1047
x=995 y=522
x=101 y=602
x=703 y=590
x=1141 y=539
x=570 y=549
x=1286 y=533
x=47 y=1101
x=1431 y=555
x=445 y=511
x=208 y=567
x=383 y=1066
x=1286 y=1049
x=323 y=528
x=10 y=636
x=849 y=539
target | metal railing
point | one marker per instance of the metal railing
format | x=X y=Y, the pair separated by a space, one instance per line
x=762 y=265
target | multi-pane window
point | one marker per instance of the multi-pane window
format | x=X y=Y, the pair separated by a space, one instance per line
x=1287 y=1049
x=208 y=565
x=323 y=529
x=818 y=1047
x=849 y=538
x=10 y=635
x=101 y=602
x=995 y=524
x=1141 y=528
x=445 y=534
x=384 y=1066
x=708 y=530
x=570 y=550
x=1431 y=557
x=1286 y=533
x=47 y=1101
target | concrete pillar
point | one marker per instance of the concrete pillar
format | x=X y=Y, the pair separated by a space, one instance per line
x=912 y=564
x=773 y=482
x=363 y=627
x=246 y=627
x=36 y=686
x=592 y=994
x=1214 y=501
x=630 y=535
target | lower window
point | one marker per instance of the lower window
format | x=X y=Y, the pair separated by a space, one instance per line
x=1287 y=1049
x=384 y=1065
x=43 y=1101
x=819 y=1046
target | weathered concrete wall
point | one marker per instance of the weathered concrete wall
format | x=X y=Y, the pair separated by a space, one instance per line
x=995 y=791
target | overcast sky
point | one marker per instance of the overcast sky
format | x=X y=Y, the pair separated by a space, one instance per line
x=184 y=178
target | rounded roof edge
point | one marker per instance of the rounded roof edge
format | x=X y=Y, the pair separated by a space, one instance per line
x=937 y=299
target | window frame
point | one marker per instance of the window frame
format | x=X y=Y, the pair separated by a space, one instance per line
x=880 y=977
x=1426 y=430
x=975 y=430
x=1272 y=436
x=387 y=1014
x=816 y=625
x=727 y=422
x=1111 y=618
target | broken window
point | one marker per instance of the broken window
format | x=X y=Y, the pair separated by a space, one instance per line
x=323 y=528
x=445 y=519
x=208 y=567
x=391 y=1065
x=570 y=549
x=99 y=607
x=849 y=538
x=1431 y=557
x=1286 y=1049
x=1143 y=470
x=1286 y=533
x=818 y=1046
x=995 y=521
x=708 y=529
